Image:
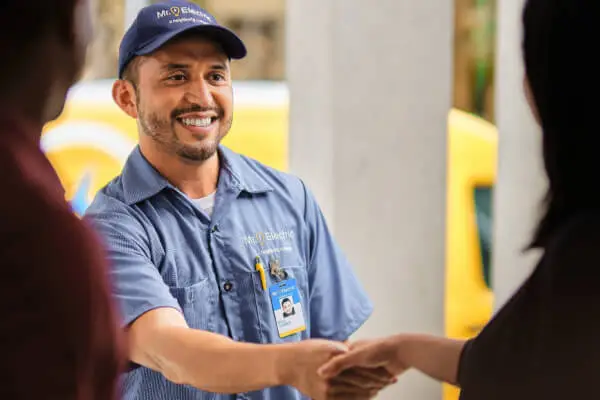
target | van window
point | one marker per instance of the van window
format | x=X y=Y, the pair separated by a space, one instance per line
x=484 y=219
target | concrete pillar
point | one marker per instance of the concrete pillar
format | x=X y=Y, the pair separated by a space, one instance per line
x=520 y=182
x=370 y=93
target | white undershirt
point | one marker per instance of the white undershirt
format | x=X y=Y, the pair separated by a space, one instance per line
x=206 y=204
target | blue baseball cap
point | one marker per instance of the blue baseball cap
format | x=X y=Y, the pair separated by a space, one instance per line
x=158 y=23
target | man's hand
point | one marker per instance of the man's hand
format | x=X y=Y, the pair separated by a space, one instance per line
x=374 y=354
x=361 y=379
x=303 y=360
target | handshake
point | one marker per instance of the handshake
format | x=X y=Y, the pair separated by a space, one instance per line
x=324 y=370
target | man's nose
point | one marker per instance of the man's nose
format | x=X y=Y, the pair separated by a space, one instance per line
x=200 y=93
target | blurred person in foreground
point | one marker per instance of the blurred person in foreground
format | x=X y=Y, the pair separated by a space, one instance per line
x=543 y=344
x=59 y=338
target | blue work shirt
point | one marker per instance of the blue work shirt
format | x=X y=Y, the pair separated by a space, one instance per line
x=166 y=252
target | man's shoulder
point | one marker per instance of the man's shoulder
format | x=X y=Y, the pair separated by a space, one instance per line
x=275 y=178
x=110 y=198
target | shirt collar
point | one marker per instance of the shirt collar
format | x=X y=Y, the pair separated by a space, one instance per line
x=142 y=181
x=244 y=174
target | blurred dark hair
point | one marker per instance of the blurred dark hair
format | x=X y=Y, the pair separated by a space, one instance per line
x=560 y=44
x=23 y=23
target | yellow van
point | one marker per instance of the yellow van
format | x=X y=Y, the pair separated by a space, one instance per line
x=90 y=141
x=471 y=172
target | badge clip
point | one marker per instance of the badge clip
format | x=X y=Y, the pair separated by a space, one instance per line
x=277 y=273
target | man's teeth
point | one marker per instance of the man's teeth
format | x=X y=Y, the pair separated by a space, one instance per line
x=199 y=122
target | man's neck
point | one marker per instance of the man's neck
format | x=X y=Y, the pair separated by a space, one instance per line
x=195 y=179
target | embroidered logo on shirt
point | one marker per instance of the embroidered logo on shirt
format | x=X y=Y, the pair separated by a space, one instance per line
x=261 y=238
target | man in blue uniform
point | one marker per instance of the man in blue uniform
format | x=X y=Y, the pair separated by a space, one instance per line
x=205 y=243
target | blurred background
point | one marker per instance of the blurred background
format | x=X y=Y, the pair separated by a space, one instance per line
x=407 y=120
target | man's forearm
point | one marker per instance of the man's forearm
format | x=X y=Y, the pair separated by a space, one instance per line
x=434 y=356
x=216 y=363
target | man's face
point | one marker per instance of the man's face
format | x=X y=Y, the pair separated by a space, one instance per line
x=287 y=306
x=184 y=98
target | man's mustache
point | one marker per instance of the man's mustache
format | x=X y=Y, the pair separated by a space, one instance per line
x=196 y=108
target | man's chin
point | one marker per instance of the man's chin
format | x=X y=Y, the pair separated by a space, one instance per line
x=198 y=154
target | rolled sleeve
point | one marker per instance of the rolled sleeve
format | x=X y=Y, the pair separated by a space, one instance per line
x=137 y=284
x=339 y=304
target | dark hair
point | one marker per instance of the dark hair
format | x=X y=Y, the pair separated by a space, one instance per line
x=131 y=71
x=22 y=22
x=286 y=300
x=560 y=42
x=22 y=25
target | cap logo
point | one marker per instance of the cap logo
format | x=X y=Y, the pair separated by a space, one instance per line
x=180 y=11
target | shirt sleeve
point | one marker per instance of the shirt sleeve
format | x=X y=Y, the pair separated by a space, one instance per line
x=462 y=362
x=339 y=304
x=137 y=283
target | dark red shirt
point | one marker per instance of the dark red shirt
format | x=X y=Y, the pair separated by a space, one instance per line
x=59 y=334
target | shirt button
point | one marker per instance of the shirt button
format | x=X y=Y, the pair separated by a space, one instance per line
x=215 y=229
x=227 y=286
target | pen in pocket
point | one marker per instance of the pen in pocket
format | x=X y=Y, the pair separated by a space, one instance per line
x=261 y=271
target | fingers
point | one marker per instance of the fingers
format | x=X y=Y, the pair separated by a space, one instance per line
x=363 y=378
x=359 y=372
x=372 y=376
x=358 y=383
x=339 y=347
x=348 y=386
x=340 y=390
x=340 y=363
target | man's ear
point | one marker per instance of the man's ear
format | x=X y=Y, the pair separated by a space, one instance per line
x=125 y=95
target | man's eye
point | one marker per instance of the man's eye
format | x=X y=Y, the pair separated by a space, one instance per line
x=176 y=77
x=217 y=77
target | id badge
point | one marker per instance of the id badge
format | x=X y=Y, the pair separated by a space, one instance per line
x=287 y=307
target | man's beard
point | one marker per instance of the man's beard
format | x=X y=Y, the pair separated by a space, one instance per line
x=162 y=131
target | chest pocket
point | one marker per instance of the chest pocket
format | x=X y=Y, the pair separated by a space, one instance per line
x=266 y=316
x=198 y=303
